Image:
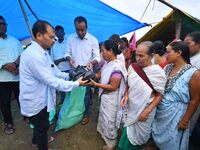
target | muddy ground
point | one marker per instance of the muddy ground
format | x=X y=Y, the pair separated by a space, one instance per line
x=78 y=137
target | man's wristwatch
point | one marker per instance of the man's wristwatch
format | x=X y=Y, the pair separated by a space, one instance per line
x=16 y=65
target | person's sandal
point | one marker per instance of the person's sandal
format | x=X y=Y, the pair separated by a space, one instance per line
x=9 y=129
x=50 y=139
x=85 y=120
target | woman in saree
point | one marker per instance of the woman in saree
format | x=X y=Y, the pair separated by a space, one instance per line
x=111 y=89
x=181 y=99
x=141 y=99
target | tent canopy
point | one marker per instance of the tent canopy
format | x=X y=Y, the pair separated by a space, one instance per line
x=102 y=19
x=166 y=29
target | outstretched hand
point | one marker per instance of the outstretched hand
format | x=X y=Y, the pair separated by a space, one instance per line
x=92 y=82
x=82 y=82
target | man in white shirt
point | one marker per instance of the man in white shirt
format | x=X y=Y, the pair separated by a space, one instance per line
x=83 y=49
x=57 y=53
x=10 y=51
x=39 y=78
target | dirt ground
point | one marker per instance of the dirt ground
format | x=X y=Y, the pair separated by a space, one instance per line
x=78 y=137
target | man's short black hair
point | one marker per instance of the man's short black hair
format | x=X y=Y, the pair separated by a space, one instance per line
x=80 y=19
x=1 y=17
x=59 y=27
x=41 y=27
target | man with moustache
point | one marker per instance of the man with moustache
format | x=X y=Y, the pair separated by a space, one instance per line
x=83 y=49
x=39 y=79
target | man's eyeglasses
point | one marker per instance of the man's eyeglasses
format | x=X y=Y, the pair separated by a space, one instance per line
x=3 y=23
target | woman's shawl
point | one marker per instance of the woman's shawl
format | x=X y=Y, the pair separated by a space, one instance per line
x=106 y=73
x=140 y=92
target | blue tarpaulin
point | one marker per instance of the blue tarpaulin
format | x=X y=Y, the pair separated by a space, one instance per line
x=102 y=19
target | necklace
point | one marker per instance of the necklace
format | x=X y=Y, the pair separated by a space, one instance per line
x=171 y=80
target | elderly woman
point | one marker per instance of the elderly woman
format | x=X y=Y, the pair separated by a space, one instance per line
x=112 y=88
x=181 y=98
x=141 y=98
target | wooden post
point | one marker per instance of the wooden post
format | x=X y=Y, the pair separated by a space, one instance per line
x=25 y=17
x=178 y=22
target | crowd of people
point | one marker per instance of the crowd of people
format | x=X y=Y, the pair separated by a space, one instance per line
x=148 y=92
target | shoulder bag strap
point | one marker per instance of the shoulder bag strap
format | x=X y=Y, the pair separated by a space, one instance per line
x=142 y=74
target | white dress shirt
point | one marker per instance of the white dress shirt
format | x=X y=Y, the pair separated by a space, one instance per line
x=195 y=60
x=39 y=77
x=82 y=51
x=10 y=50
x=57 y=52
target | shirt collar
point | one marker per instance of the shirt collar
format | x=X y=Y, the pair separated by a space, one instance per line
x=85 y=37
x=42 y=50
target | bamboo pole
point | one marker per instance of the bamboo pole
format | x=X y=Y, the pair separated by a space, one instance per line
x=25 y=17
x=168 y=4
x=178 y=22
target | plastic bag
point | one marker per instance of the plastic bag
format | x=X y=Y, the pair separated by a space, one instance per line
x=72 y=109
x=76 y=73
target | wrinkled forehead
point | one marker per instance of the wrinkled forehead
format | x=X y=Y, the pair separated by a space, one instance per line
x=141 y=48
